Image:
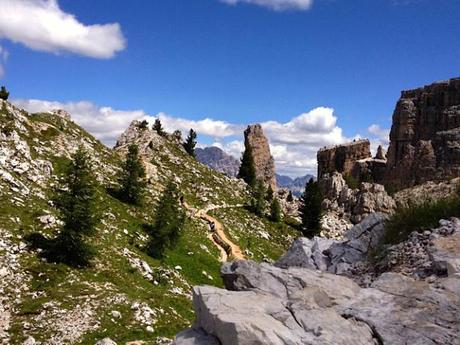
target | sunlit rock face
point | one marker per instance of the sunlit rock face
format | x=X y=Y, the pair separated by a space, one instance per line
x=255 y=139
x=425 y=135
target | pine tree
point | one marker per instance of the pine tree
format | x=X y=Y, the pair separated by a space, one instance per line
x=169 y=222
x=258 y=198
x=143 y=125
x=275 y=210
x=269 y=196
x=190 y=143
x=4 y=94
x=157 y=127
x=77 y=206
x=247 y=168
x=310 y=209
x=177 y=135
x=290 y=197
x=132 y=179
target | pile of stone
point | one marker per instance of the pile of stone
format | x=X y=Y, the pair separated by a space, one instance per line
x=345 y=206
x=300 y=301
x=264 y=304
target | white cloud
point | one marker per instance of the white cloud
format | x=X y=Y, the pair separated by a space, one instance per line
x=105 y=123
x=4 y=54
x=315 y=128
x=209 y=127
x=277 y=5
x=42 y=25
x=293 y=144
x=380 y=136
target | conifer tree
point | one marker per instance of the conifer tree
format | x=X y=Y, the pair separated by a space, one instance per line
x=169 y=222
x=258 y=198
x=4 y=94
x=132 y=179
x=157 y=127
x=190 y=143
x=269 y=195
x=247 y=168
x=143 y=125
x=290 y=197
x=310 y=209
x=77 y=206
x=275 y=210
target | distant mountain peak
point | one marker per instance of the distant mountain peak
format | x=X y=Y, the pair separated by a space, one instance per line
x=217 y=159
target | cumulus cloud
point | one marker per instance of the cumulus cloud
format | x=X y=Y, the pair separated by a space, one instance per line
x=107 y=123
x=3 y=57
x=293 y=143
x=379 y=136
x=276 y=5
x=42 y=25
x=209 y=127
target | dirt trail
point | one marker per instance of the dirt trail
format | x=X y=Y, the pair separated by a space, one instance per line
x=228 y=249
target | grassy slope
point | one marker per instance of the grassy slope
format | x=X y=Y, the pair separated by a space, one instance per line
x=113 y=283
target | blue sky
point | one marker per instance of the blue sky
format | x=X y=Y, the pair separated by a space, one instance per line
x=236 y=63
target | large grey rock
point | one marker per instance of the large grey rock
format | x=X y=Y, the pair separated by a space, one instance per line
x=351 y=205
x=271 y=305
x=444 y=251
x=404 y=311
x=195 y=336
x=307 y=253
x=360 y=240
x=337 y=256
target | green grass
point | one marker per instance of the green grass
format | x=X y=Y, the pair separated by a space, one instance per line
x=420 y=217
x=247 y=230
x=111 y=274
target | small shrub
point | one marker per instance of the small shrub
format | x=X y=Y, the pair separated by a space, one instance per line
x=419 y=218
x=143 y=125
x=351 y=181
x=4 y=94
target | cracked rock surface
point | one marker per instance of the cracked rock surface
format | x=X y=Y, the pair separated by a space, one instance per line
x=264 y=304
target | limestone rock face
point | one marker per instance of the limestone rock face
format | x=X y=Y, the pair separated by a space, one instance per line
x=425 y=135
x=255 y=139
x=427 y=192
x=352 y=205
x=342 y=158
x=264 y=304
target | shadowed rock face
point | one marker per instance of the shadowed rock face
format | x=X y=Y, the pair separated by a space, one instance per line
x=425 y=135
x=342 y=158
x=255 y=139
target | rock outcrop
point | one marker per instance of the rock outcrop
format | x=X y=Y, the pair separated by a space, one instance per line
x=425 y=135
x=342 y=158
x=265 y=304
x=255 y=140
x=218 y=160
x=345 y=206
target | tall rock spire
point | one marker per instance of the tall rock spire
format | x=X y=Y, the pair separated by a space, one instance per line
x=255 y=139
